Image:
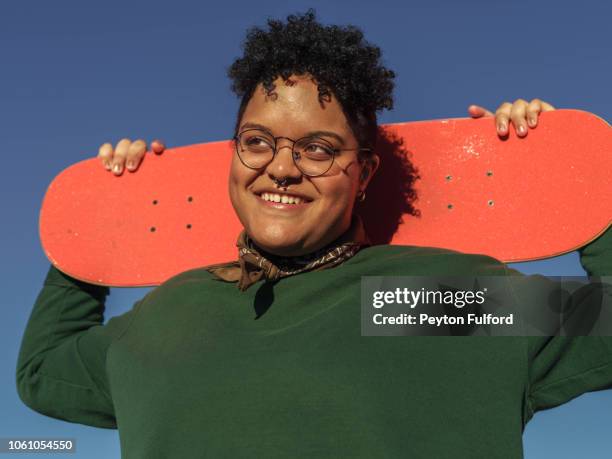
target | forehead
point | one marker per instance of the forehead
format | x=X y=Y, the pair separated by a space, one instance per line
x=294 y=108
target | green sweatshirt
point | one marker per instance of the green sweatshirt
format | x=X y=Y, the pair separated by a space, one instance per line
x=197 y=369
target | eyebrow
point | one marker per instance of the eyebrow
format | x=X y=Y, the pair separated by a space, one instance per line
x=309 y=134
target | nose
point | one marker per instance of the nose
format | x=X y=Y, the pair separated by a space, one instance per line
x=282 y=165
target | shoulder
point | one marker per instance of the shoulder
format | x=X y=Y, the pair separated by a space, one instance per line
x=429 y=260
x=185 y=287
x=184 y=283
x=195 y=275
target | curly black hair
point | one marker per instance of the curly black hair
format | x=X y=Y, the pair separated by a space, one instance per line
x=338 y=58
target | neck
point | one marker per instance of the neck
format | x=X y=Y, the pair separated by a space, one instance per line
x=288 y=256
x=354 y=233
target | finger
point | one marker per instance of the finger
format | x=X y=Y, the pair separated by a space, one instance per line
x=105 y=153
x=517 y=115
x=532 y=112
x=476 y=111
x=502 y=118
x=121 y=152
x=136 y=152
x=546 y=107
x=158 y=146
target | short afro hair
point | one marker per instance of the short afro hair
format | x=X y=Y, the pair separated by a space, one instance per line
x=338 y=58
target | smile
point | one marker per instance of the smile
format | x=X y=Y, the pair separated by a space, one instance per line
x=282 y=201
x=284 y=198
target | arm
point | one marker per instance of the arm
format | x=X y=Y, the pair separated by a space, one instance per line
x=562 y=368
x=61 y=368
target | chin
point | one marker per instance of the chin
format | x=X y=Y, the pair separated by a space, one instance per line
x=279 y=246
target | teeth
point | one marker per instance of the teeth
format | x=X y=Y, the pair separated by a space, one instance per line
x=285 y=199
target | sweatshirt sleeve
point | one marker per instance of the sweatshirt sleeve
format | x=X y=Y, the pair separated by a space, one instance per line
x=61 y=367
x=562 y=368
x=596 y=257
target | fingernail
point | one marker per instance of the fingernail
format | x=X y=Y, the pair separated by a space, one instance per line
x=501 y=127
x=521 y=129
x=159 y=147
x=117 y=168
x=532 y=121
x=107 y=166
x=130 y=165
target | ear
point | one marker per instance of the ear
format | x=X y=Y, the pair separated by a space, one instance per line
x=368 y=170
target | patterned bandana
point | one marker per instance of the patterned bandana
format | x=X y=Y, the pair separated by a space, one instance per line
x=253 y=263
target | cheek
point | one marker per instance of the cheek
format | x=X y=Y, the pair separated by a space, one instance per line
x=339 y=195
x=239 y=177
x=232 y=186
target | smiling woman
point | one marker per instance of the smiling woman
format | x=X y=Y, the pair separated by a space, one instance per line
x=263 y=356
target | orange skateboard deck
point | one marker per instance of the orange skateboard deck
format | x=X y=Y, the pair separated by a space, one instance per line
x=449 y=183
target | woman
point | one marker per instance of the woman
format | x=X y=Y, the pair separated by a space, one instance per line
x=263 y=357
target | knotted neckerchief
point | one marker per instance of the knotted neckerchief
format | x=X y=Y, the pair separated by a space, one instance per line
x=253 y=264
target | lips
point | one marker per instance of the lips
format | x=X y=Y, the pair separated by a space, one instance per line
x=285 y=198
x=265 y=200
x=280 y=193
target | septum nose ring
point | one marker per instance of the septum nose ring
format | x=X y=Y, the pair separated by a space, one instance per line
x=281 y=183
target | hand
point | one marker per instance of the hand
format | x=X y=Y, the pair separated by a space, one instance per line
x=523 y=114
x=127 y=154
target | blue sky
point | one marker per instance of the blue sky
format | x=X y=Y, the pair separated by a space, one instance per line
x=76 y=74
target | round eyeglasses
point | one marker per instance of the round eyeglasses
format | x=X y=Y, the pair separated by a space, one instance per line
x=313 y=156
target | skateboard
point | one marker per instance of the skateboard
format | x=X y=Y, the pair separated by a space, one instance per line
x=449 y=183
